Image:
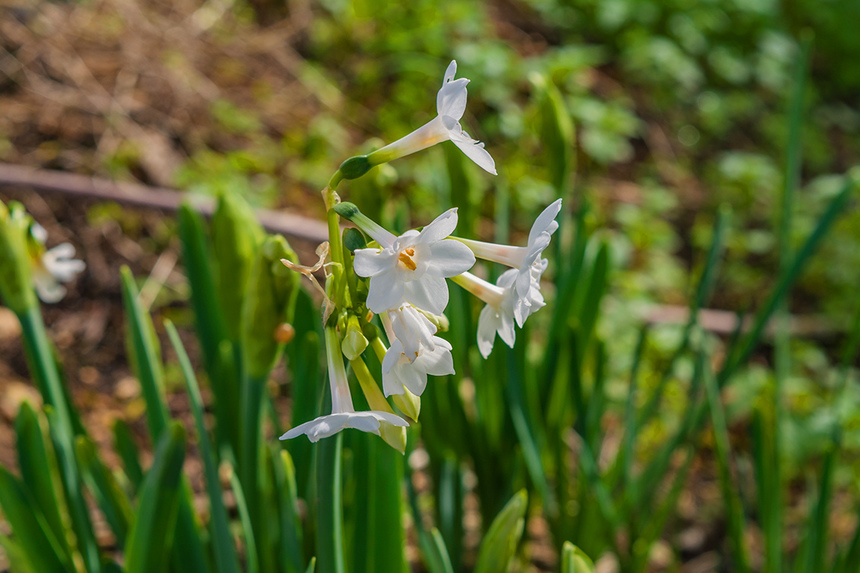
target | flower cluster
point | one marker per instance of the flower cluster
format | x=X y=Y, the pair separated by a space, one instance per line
x=403 y=280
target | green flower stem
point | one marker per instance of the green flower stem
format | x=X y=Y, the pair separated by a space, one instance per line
x=371 y=390
x=378 y=348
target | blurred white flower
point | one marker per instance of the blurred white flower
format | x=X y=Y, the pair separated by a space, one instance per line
x=343 y=414
x=527 y=260
x=414 y=354
x=53 y=266
x=413 y=267
x=450 y=106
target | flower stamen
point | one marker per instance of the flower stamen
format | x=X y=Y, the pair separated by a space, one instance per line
x=405 y=257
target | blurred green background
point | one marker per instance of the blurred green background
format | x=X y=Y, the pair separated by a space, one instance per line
x=678 y=107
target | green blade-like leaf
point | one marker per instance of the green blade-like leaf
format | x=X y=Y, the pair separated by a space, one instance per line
x=287 y=498
x=574 y=559
x=15 y=556
x=524 y=431
x=731 y=499
x=787 y=278
x=101 y=482
x=225 y=555
x=40 y=472
x=128 y=453
x=35 y=537
x=329 y=541
x=379 y=541
x=144 y=356
x=500 y=543
x=251 y=561
x=435 y=553
x=152 y=532
x=209 y=319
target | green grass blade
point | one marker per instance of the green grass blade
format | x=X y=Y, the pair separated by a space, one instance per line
x=113 y=502
x=500 y=542
x=82 y=525
x=574 y=559
x=251 y=558
x=329 y=540
x=209 y=319
x=39 y=470
x=306 y=393
x=16 y=558
x=128 y=453
x=225 y=555
x=437 y=554
x=34 y=536
x=144 y=356
x=627 y=455
x=819 y=519
x=703 y=292
x=152 y=532
x=731 y=499
x=449 y=506
x=287 y=497
x=378 y=540
x=787 y=278
x=524 y=431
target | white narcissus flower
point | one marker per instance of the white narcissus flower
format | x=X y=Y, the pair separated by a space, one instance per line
x=450 y=106
x=53 y=266
x=499 y=315
x=527 y=260
x=414 y=354
x=412 y=267
x=343 y=414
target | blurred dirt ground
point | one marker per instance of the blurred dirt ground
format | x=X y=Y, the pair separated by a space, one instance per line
x=84 y=84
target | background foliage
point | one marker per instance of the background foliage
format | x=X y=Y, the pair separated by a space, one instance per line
x=667 y=128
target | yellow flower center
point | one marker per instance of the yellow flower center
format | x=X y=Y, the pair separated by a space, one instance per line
x=405 y=257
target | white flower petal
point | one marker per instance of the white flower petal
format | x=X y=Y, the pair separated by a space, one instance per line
x=487 y=326
x=474 y=150
x=385 y=291
x=450 y=72
x=47 y=287
x=451 y=258
x=451 y=99
x=326 y=426
x=545 y=223
x=430 y=293
x=441 y=227
x=369 y=262
x=440 y=362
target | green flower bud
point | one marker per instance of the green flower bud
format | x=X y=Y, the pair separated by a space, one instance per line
x=16 y=283
x=354 y=341
x=355 y=167
x=270 y=301
x=394 y=436
x=236 y=236
x=353 y=239
x=409 y=403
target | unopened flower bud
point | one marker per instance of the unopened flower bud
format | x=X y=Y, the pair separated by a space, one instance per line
x=354 y=341
x=409 y=403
